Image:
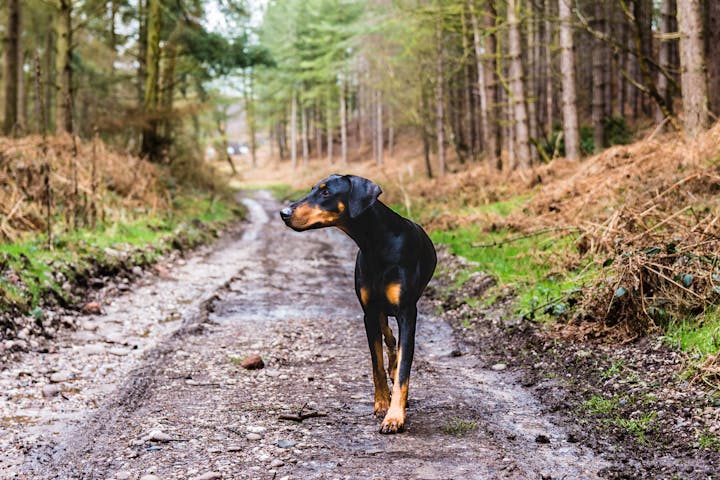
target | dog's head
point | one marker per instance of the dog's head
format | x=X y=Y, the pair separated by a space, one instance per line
x=330 y=202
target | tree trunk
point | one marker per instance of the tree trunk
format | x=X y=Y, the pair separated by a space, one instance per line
x=48 y=61
x=316 y=129
x=531 y=73
x=293 y=129
x=667 y=13
x=492 y=67
x=250 y=116
x=305 y=139
x=379 y=120
x=439 y=107
x=548 y=67
x=150 y=142
x=712 y=40
x=22 y=94
x=692 y=63
x=517 y=88
x=11 y=66
x=623 y=64
x=63 y=67
x=169 y=88
x=343 y=123
x=598 y=78
x=425 y=127
x=487 y=140
x=391 y=133
x=329 y=129
x=142 y=6
x=467 y=89
x=567 y=70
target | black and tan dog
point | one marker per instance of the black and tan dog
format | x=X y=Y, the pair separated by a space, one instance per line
x=394 y=265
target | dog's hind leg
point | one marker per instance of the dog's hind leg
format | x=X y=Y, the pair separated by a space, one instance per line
x=394 y=421
x=373 y=320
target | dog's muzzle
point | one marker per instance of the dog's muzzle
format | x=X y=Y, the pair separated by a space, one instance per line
x=286 y=213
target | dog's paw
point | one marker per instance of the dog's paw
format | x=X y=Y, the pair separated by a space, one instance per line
x=381 y=407
x=394 y=421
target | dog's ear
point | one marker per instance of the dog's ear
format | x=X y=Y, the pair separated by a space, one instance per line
x=363 y=193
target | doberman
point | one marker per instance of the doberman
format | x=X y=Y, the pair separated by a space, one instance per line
x=394 y=265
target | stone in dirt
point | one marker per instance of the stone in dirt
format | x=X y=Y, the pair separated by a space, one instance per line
x=149 y=477
x=209 y=476
x=253 y=362
x=51 y=390
x=286 y=443
x=92 y=308
x=253 y=436
x=499 y=367
x=59 y=377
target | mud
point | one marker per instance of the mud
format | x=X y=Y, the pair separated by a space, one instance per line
x=177 y=404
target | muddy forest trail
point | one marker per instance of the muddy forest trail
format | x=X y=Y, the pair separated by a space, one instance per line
x=152 y=388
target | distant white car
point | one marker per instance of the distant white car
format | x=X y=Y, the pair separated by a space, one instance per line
x=237 y=149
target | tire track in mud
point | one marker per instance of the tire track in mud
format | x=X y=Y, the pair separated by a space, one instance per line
x=291 y=300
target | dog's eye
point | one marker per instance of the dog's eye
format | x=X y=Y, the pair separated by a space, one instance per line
x=325 y=193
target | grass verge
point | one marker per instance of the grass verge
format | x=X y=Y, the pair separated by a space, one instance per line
x=34 y=274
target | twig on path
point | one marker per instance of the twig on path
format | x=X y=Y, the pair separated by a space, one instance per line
x=300 y=416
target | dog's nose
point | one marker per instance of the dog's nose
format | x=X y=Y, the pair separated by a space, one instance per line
x=285 y=213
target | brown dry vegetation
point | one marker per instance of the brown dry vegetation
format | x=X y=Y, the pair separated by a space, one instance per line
x=88 y=182
x=647 y=213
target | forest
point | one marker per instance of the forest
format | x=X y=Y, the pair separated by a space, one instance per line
x=158 y=320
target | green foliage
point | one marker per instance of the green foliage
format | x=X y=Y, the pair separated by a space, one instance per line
x=310 y=43
x=31 y=274
x=527 y=264
x=617 y=131
x=700 y=335
x=587 y=140
x=599 y=405
x=459 y=427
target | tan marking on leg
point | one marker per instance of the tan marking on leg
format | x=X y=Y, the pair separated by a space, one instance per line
x=392 y=292
x=391 y=347
x=322 y=185
x=394 y=420
x=382 y=393
x=364 y=295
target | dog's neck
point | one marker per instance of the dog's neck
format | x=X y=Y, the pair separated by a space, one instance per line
x=372 y=227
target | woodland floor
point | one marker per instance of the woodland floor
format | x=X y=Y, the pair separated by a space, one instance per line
x=152 y=388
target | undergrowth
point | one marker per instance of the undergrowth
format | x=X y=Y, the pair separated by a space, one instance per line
x=33 y=273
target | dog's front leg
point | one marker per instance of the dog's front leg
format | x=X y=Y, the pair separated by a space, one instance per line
x=394 y=421
x=374 y=336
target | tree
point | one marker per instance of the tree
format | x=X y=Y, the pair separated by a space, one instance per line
x=12 y=67
x=692 y=64
x=571 y=131
x=63 y=66
x=517 y=89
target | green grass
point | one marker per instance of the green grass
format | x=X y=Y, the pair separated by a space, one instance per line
x=530 y=265
x=708 y=441
x=32 y=272
x=700 y=335
x=599 y=405
x=459 y=427
x=608 y=409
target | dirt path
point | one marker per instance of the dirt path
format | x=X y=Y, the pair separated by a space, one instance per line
x=288 y=297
